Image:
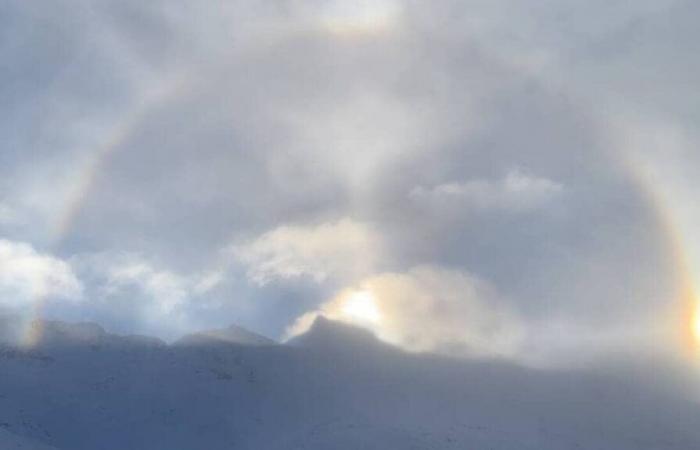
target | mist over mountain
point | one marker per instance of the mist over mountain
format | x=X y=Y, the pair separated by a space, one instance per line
x=336 y=386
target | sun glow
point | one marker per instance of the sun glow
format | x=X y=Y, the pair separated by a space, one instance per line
x=361 y=306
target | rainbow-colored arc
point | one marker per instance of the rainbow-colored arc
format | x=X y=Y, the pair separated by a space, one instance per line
x=684 y=310
x=367 y=17
x=89 y=175
x=347 y=19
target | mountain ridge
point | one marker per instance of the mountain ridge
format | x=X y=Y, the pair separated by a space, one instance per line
x=336 y=387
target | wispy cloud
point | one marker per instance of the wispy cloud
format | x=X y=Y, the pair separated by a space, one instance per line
x=341 y=249
x=517 y=191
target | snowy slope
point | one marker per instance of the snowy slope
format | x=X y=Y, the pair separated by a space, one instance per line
x=231 y=335
x=9 y=441
x=336 y=387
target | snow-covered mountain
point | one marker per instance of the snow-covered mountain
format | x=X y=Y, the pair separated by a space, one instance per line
x=231 y=335
x=81 y=388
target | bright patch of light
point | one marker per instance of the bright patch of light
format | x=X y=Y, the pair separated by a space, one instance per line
x=348 y=16
x=361 y=306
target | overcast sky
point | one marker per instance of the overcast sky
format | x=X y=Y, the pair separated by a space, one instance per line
x=468 y=177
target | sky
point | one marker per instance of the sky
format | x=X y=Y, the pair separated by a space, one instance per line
x=472 y=177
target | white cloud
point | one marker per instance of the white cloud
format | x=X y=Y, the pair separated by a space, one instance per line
x=427 y=308
x=27 y=276
x=207 y=282
x=166 y=292
x=129 y=285
x=166 y=289
x=343 y=249
x=517 y=191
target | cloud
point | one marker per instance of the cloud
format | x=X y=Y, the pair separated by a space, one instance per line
x=8 y=216
x=427 y=308
x=340 y=249
x=411 y=119
x=27 y=276
x=517 y=191
x=144 y=293
x=166 y=290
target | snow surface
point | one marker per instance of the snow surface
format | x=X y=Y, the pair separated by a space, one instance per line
x=336 y=387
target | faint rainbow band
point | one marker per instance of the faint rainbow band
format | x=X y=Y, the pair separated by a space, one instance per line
x=115 y=141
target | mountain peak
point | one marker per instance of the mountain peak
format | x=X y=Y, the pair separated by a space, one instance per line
x=233 y=334
x=55 y=332
x=327 y=333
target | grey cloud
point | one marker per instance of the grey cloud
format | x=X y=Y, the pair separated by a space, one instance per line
x=8 y=215
x=279 y=124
